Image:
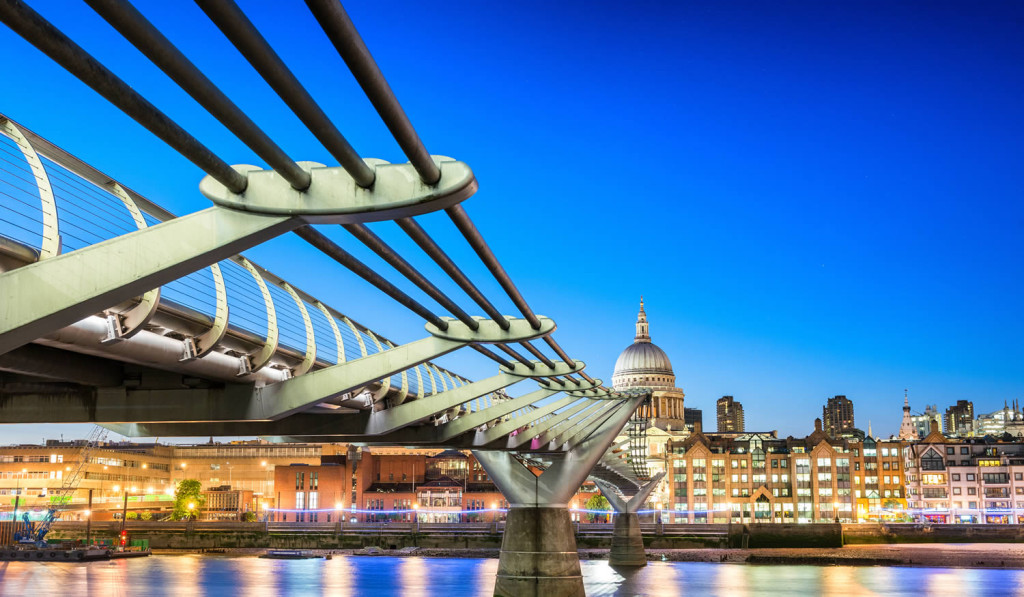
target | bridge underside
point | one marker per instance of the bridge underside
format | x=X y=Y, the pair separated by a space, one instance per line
x=156 y=325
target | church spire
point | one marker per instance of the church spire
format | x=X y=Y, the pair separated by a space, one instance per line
x=908 y=431
x=642 y=332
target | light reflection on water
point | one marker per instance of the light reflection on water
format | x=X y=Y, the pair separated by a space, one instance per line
x=383 y=576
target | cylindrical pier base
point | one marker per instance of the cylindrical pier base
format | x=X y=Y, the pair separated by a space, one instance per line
x=627 y=542
x=538 y=555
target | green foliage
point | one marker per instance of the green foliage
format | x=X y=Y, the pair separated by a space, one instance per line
x=188 y=492
x=597 y=502
x=132 y=516
x=248 y=517
x=146 y=516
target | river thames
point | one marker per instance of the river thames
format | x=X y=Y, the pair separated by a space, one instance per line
x=382 y=576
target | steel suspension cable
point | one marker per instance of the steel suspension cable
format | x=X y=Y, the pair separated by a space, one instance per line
x=332 y=250
x=492 y=356
x=378 y=246
x=435 y=252
x=143 y=35
x=540 y=355
x=237 y=27
x=461 y=220
x=43 y=35
x=346 y=39
x=515 y=355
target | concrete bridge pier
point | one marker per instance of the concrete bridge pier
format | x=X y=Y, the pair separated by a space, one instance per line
x=627 y=541
x=538 y=551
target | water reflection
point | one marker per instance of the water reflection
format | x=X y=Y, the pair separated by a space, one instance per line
x=843 y=582
x=729 y=581
x=337 y=577
x=413 y=572
x=383 y=576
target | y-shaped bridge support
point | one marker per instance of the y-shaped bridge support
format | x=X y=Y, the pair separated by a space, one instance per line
x=627 y=542
x=538 y=550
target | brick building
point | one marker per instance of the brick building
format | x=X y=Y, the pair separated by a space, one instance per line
x=758 y=478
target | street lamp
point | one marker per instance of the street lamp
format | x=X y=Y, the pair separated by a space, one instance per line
x=191 y=507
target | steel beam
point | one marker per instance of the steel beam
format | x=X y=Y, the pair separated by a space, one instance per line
x=245 y=402
x=556 y=485
x=628 y=505
x=50 y=294
x=532 y=434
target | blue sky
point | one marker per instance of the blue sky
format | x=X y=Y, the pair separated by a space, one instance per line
x=814 y=198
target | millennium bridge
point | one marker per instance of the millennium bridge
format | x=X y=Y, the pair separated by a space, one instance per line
x=114 y=311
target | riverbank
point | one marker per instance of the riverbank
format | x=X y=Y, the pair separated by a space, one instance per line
x=970 y=555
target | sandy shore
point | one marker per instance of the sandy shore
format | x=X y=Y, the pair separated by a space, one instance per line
x=945 y=555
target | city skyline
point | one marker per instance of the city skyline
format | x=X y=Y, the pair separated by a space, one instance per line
x=813 y=202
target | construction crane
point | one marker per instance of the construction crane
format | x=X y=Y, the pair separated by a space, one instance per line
x=62 y=496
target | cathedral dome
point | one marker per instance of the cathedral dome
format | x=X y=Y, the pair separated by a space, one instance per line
x=643 y=364
x=642 y=358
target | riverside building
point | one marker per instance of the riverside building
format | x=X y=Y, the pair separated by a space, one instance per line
x=387 y=484
x=239 y=473
x=744 y=478
x=965 y=480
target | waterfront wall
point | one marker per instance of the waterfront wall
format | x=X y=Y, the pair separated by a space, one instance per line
x=785 y=535
x=875 y=533
x=224 y=535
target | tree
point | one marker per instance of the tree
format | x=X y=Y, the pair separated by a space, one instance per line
x=899 y=514
x=188 y=493
x=249 y=517
x=597 y=502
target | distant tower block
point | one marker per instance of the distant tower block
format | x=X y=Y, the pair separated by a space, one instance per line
x=730 y=415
